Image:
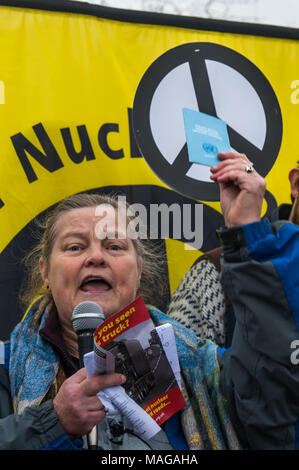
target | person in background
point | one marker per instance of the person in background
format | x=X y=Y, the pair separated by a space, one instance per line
x=200 y=303
x=260 y=275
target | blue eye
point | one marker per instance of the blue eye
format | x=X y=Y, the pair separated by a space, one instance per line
x=75 y=248
x=114 y=247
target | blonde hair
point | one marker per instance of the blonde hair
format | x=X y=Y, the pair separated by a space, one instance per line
x=153 y=285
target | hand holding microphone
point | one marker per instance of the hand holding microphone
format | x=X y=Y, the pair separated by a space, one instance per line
x=77 y=406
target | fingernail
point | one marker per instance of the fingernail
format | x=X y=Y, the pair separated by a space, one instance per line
x=123 y=378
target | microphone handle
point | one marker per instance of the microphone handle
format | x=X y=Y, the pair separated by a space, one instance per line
x=85 y=345
x=92 y=438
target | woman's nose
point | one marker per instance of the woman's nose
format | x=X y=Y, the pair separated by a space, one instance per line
x=95 y=255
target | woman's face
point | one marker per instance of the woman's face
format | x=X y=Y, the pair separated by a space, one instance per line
x=86 y=265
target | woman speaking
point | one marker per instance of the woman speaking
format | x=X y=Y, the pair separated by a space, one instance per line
x=243 y=398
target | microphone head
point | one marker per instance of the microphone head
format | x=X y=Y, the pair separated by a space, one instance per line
x=87 y=316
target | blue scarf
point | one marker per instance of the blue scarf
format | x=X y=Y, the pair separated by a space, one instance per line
x=204 y=420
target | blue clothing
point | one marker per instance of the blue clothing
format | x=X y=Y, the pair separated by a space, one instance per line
x=34 y=365
x=260 y=275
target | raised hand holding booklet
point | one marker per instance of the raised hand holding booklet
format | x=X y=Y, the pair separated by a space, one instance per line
x=129 y=343
x=206 y=136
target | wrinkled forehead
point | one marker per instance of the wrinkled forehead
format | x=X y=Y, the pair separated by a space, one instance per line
x=103 y=219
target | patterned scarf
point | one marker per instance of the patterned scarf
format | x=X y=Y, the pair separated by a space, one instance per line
x=34 y=370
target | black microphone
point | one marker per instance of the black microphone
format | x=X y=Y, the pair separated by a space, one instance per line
x=86 y=318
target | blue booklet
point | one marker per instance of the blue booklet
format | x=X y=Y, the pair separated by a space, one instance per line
x=205 y=136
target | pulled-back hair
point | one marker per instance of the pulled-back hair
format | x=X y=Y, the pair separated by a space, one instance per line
x=153 y=284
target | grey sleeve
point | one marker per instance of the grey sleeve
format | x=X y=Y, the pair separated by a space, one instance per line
x=34 y=429
x=258 y=379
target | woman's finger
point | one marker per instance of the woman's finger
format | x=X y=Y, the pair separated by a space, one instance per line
x=92 y=385
x=232 y=155
x=232 y=175
x=230 y=165
x=93 y=403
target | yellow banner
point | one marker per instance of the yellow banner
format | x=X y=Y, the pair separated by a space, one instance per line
x=67 y=86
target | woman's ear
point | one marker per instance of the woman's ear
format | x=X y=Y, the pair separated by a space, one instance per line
x=294 y=181
x=43 y=272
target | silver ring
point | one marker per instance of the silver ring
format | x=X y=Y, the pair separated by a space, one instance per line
x=248 y=169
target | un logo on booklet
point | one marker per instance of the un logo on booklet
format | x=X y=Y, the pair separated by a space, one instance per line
x=209 y=148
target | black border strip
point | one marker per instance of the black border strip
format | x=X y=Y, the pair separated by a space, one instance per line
x=163 y=19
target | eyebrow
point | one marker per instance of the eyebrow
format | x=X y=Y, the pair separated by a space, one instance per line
x=75 y=235
x=110 y=235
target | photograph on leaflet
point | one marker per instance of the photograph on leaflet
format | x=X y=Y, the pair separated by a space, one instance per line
x=147 y=356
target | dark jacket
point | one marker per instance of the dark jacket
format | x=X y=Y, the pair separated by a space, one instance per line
x=259 y=377
x=37 y=428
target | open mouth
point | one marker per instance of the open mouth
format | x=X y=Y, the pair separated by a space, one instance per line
x=95 y=284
